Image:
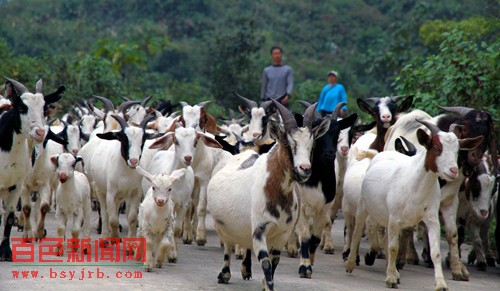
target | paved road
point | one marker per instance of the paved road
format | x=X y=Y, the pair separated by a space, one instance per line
x=198 y=267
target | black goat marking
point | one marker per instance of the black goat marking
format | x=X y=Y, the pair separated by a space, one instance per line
x=259 y=230
x=313 y=244
x=262 y=255
x=304 y=248
x=12 y=188
x=249 y=162
x=289 y=219
x=10 y=124
x=226 y=257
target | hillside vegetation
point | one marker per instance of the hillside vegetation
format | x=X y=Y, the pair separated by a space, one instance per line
x=443 y=52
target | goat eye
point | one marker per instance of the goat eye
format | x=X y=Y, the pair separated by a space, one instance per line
x=154 y=189
x=169 y=189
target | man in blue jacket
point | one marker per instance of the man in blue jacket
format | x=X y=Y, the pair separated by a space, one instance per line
x=332 y=94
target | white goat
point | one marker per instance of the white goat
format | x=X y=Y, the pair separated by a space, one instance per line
x=113 y=176
x=72 y=196
x=156 y=215
x=399 y=191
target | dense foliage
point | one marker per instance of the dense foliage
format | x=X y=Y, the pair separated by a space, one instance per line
x=196 y=50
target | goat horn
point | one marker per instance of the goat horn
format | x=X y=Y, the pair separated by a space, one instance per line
x=20 y=88
x=288 y=119
x=145 y=101
x=304 y=103
x=183 y=104
x=457 y=109
x=120 y=120
x=432 y=127
x=310 y=115
x=64 y=123
x=372 y=99
x=145 y=121
x=203 y=104
x=107 y=103
x=125 y=98
x=125 y=105
x=246 y=102
x=266 y=105
x=38 y=86
x=397 y=98
x=336 y=111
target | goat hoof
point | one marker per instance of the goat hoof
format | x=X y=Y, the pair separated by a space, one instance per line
x=239 y=256
x=328 y=251
x=246 y=275
x=460 y=277
x=172 y=260
x=223 y=278
x=305 y=271
x=412 y=262
x=20 y=228
x=201 y=242
x=481 y=266
x=121 y=228
x=393 y=285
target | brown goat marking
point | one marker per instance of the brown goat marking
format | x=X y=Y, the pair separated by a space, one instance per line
x=434 y=150
x=280 y=168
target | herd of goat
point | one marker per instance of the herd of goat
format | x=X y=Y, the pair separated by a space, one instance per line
x=276 y=182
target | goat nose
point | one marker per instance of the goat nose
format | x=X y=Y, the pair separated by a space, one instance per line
x=386 y=117
x=306 y=168
x=454 y=170
x=75 y=151
x=344 y=149
x=40 y=132
x=134 y=161
x=484 y=213
x=160 y=202
x=256 y=134
x=188 y=159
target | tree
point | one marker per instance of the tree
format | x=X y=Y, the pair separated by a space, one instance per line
x=464 y=72
x=230 y=63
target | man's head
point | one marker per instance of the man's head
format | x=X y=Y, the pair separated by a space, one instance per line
x=332 y=77
x=276 y=53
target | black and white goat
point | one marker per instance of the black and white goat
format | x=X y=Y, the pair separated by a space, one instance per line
x=253 y=199
x=19 y=126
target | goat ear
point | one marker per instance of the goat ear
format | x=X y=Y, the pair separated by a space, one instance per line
x=112 y=135
x=208 y=141
x=348 y=121
x=470 y=143
x=365 y=107
x=322 y=128
x=80 y=159
x=53 y=159
x=55 y=96
x=177 y=174
x=406 y=104
x=144 y=173
x=98 y=113
x=423 y=138
x=165 y=142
